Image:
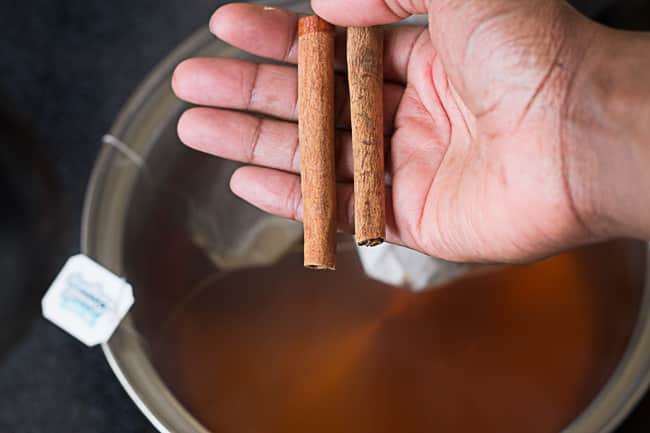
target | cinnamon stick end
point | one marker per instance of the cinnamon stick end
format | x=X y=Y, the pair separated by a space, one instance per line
x=370 y=242
x=313 y=24
x=328 y=267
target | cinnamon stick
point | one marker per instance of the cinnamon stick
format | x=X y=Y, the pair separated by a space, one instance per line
x=365 y=52
x=316 y=134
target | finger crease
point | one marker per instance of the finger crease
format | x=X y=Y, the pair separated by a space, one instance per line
x=255 y=139
x=294 y=200
x=293 y=35
x=253 y=89
x=294 y=153
x=296 y=107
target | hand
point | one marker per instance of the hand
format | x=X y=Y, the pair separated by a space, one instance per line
x=478 y=162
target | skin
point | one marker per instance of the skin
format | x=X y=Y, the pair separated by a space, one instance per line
x=518 y=128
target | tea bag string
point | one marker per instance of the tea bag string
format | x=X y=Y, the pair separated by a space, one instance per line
x=140 y=161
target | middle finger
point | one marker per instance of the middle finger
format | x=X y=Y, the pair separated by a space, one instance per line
x=262 y=88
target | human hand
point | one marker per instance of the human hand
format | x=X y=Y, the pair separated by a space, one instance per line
x=478 y=164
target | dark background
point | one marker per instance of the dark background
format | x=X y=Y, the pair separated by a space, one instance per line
x=66 y=67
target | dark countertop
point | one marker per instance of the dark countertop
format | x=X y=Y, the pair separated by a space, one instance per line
x=66 y=68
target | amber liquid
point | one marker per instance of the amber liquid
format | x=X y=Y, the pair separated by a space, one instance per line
x=283 y=350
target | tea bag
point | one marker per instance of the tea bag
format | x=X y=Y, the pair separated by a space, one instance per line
x=407 y=268
x=234 y=234
x=237 y=236
x=265 y=241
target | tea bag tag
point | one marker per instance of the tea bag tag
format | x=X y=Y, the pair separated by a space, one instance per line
x=87 y=300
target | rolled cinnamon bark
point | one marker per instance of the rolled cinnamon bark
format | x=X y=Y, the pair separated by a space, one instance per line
x=316 y=134
x=365 y=51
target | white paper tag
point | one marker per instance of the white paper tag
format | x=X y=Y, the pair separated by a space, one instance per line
x=87 y=300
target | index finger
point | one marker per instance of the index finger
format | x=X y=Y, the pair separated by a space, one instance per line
x=272 y=33
x=261 y=30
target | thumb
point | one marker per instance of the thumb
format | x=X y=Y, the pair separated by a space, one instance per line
x=485 y=43
x=367 y=12
x=480 y=42
x=509 y=53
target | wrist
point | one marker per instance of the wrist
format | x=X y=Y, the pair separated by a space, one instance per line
x=606 y=136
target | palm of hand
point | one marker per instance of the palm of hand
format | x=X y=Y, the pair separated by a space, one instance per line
x=474 y=175
x=484 y=180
